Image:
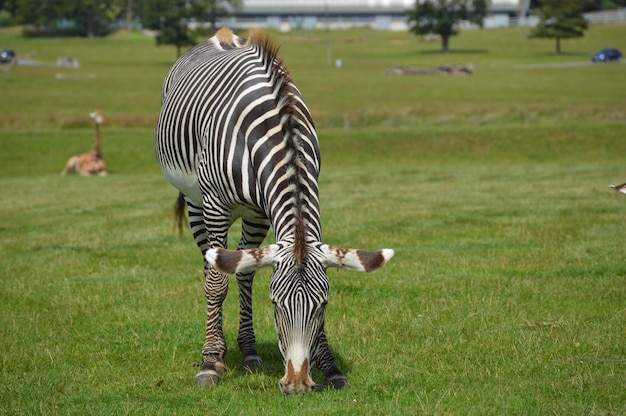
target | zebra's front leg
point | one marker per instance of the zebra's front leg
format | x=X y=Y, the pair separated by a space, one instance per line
x=253 y=231
x=325 y=361
x=214 y=349
x=246 y=339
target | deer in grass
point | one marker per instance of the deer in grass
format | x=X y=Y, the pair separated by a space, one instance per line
x=90 y=163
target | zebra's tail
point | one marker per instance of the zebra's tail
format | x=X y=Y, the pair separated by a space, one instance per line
x=179 y=212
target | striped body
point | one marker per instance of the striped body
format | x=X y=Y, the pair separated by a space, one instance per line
x=236 y=139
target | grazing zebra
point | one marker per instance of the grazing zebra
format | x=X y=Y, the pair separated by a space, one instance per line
x=236 y=139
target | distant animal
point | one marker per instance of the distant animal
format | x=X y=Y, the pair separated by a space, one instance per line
x=236 y=139
x=619 y=188
x=90 y=163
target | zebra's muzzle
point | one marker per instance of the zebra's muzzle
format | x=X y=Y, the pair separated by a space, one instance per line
x=297 y=381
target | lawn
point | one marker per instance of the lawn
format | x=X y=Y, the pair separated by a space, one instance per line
x=506 y=293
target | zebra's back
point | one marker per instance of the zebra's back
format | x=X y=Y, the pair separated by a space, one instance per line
x=219 y=107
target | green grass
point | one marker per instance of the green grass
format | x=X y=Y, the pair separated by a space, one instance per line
x=506 y=294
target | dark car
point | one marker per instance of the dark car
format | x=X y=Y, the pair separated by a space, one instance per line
x=7 y=55
x=607 y=54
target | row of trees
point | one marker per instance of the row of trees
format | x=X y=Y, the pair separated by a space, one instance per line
x=559 y=19
x=97 y=17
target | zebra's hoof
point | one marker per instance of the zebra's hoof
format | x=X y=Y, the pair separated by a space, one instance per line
x=338 y=381
x=207 y=378
x=252 y=362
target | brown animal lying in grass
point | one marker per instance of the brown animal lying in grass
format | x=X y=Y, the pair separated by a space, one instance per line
x=90 y=163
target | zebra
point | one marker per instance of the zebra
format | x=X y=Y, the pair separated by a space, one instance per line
x=235 y=137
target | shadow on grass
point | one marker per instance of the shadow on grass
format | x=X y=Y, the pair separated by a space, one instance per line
x=273 y=362
x=553 y=54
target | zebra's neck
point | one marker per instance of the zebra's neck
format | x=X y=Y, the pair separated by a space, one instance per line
x=291 y=193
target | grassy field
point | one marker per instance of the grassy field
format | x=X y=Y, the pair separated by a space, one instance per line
x=507 y=292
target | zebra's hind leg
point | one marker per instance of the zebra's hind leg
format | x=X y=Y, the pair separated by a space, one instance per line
x=253 y=231
x=325 y=360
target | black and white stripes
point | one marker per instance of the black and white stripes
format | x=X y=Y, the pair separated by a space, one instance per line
x=236 y=138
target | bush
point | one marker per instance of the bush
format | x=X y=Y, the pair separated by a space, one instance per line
x=6 y=19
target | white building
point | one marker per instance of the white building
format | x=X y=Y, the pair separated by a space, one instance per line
x=334 y=14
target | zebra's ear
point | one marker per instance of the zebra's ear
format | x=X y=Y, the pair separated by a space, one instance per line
x=353 y=259
x=242 y=261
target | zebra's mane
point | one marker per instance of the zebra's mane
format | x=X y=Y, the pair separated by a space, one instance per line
x=281 y=82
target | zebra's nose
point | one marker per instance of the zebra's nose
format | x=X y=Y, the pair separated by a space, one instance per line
x=296 y=381
x=292 y=388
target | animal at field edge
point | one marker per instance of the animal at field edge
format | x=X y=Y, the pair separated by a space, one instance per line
x=619 y=188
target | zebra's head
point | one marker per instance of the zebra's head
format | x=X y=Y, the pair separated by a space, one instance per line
x=299 y=291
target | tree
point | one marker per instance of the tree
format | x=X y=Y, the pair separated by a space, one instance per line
x=441 y=17
x=171 y=19
x=77 y=17
x=94 y=17
x=560 y=19
x=8 y=10
x=225 y=8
